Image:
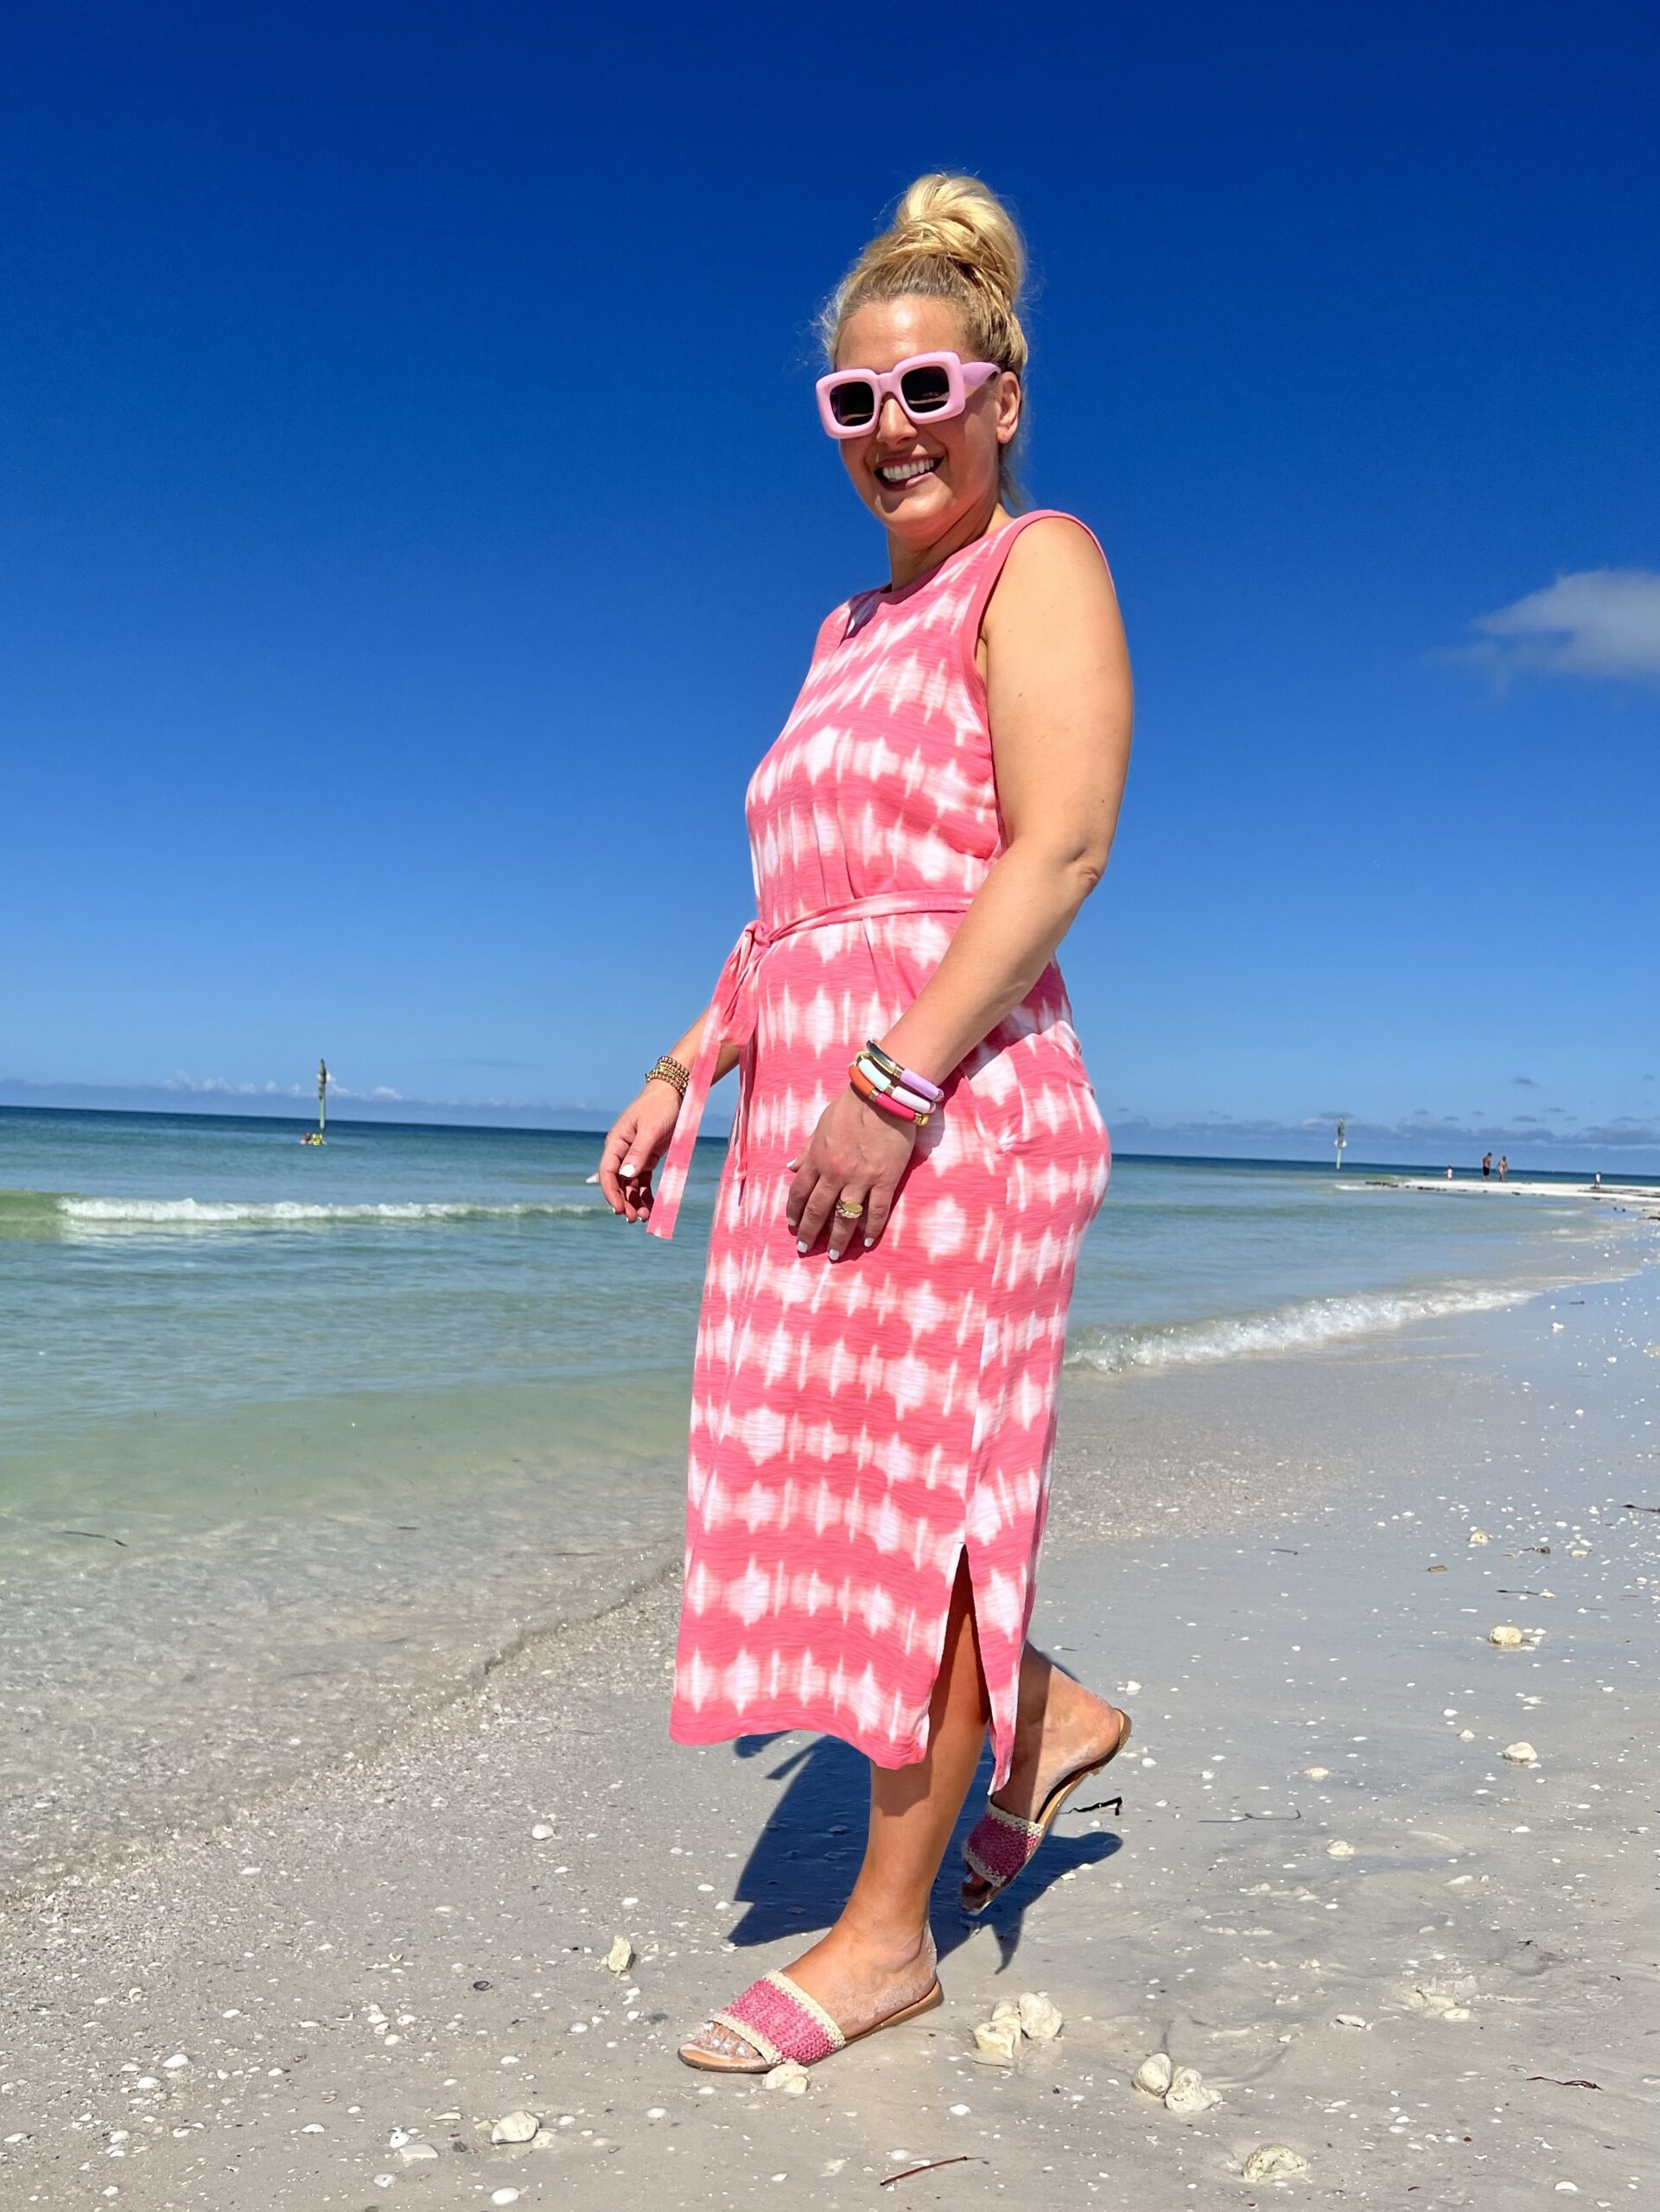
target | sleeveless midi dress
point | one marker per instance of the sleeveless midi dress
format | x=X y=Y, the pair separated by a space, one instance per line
x=859 y=1427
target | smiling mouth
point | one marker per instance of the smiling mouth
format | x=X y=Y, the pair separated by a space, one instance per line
x=904 y=472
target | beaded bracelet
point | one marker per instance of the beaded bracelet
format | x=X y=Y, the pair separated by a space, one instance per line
x=868 y=1090
x=930 y=1091
x=665 y=1069
x=879 y=1080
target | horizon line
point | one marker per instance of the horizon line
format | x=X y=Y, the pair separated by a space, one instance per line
x=720 y=1137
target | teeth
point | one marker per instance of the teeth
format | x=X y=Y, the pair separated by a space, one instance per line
x=901 y=472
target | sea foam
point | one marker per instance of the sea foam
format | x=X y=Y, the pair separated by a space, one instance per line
x=1295 y=1328
x=292 y=1213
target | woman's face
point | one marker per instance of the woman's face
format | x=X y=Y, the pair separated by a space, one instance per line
x=919 y=481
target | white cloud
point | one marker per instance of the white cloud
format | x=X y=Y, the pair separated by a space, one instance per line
x=1597 y=622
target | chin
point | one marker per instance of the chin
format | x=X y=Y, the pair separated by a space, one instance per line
x=923 y=513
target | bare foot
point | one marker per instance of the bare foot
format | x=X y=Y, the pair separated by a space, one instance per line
x=1059 y=1726
x=858 y=1978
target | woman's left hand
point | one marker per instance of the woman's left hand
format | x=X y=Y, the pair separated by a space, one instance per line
x=857 y=1153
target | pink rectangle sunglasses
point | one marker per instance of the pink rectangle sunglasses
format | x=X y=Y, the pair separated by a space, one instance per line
x=930 y=387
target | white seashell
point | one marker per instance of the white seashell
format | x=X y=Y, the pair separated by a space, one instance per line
x=399 y=2137
x=1348 y=2020
x=1154 y=2074
x=504 y=2196
x=621 y=1956
x=1467 y=1735
x=1480 y=1537
x=1316 y=1773
x=1442 y=2004
x=1338 y=1849
x=172 y=2065
x=1506 y=1638
x=515 y=2128
x=790 y=2078
x=1274 y=2162
x=995 y=2041
x=412 y=2154
x=1040 y=2020
x=541 y=1833
x=1187 y=2094
x=1522 y=1754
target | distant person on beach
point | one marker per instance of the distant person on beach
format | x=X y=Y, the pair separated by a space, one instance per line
x=1487 y=1166
x=888 y=1275
x=1449 y=1175
x=1504 y=1166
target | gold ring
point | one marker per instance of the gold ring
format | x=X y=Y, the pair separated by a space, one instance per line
x=848 y=1212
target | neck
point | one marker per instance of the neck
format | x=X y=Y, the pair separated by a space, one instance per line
x=906 y=562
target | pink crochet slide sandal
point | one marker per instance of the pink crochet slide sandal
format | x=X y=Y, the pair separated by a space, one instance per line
x=1002 y=1844
x=781 y=2021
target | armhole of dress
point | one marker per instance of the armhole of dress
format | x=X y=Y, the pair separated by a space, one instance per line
x=1002 y=546
x=832 y=631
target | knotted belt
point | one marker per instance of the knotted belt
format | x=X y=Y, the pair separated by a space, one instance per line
x=731 y=1019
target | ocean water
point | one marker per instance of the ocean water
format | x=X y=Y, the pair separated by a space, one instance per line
x=293 y=1441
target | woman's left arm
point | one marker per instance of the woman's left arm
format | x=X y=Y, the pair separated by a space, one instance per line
x=1059 y=692
x=1058 y=687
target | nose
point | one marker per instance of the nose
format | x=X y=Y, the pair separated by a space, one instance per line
x=893 y=425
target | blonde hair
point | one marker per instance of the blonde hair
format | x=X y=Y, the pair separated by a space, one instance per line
x=950 y=239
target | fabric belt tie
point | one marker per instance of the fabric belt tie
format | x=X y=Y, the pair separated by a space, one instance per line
x=731 y=1018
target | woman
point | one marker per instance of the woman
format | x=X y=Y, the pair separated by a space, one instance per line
x=916 y=1152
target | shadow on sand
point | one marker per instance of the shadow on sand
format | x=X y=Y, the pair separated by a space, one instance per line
x=805 y=1858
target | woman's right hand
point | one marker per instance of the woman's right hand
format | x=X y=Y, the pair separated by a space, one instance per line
x=637 y=1139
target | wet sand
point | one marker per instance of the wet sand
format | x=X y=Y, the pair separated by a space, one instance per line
x=1277 y=1555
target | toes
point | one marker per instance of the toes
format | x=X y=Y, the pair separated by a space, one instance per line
x=719 y=2042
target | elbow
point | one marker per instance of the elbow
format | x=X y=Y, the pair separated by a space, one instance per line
x=1080 y=872
x=1087 y=871
x=1072 y=866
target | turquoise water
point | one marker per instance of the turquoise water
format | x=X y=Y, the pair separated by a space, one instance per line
x=293 y=1438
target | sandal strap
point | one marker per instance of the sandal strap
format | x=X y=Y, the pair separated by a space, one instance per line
x=782 y=2021
x=1000 y=1845
x=1014 y=1820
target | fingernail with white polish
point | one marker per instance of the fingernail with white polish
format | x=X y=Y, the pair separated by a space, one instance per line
x=628 y=1168
x=802 y=1249
x=835 y=1255
x=869 y=1244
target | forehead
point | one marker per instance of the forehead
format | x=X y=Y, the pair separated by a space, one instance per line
x=886 y=331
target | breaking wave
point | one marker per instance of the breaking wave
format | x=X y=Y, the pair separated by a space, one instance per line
x=1306 y=1322
x=45 y=1212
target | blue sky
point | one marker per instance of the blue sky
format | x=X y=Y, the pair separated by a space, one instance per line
x=416 y=524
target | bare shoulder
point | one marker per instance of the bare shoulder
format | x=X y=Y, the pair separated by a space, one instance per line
x=1054 y=568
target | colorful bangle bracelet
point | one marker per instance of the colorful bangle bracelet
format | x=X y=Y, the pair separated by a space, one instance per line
x=879 y=1080
x=868 y=1090
x=908 y=1076
x=665 y=1069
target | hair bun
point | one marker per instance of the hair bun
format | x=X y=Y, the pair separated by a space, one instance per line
x=960 y=220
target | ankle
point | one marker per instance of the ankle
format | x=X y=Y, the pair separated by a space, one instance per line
x=896 y=1940
x=1038 y=1678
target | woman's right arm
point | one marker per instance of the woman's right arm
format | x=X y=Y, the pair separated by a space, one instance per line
x=640 y=1135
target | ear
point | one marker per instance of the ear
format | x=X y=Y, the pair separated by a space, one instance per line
x=1009 y=400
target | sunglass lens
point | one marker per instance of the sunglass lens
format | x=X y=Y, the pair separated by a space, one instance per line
x=925 y=390
x=853 y=403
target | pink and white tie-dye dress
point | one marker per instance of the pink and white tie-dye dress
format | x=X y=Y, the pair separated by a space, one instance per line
x=858 y=1427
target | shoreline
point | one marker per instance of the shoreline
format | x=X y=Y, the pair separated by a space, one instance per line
x=396 y=1623
x=1255 y=1540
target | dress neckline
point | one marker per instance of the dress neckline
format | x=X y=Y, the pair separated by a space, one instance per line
x=888 y=595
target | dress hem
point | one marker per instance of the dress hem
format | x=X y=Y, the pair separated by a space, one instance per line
x=784 y=1719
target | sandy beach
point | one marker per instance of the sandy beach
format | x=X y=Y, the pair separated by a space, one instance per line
x=1421 y=1964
